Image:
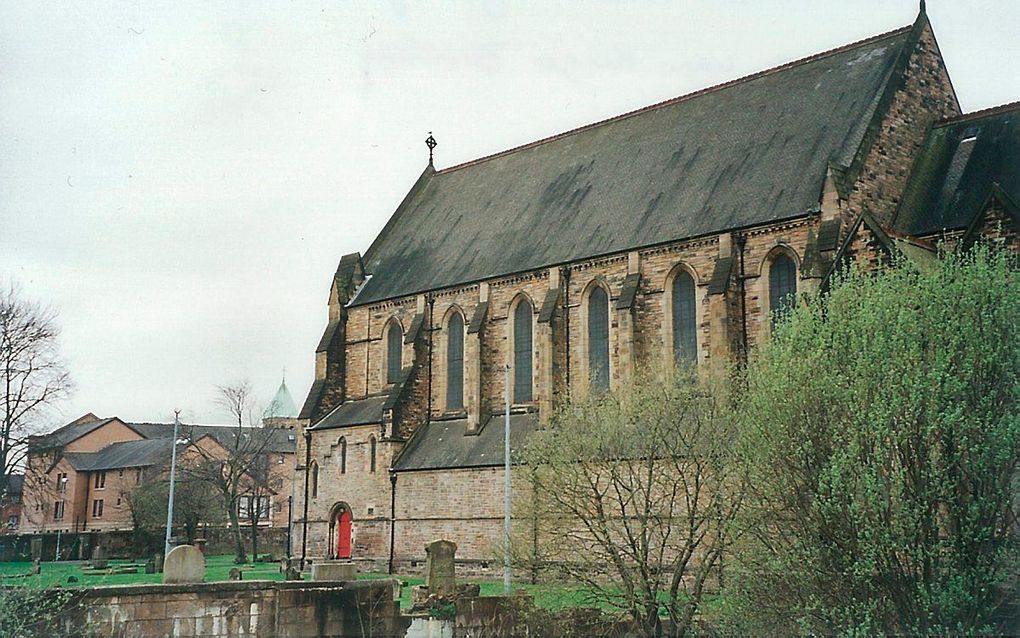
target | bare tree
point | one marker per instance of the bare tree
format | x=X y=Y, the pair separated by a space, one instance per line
x=239 y=467
x=32 y=374
x=633 y=495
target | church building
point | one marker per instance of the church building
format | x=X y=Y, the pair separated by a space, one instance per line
x=669 y=235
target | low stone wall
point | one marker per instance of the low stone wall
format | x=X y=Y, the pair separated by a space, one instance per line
x=249 y=608
x=128 y=544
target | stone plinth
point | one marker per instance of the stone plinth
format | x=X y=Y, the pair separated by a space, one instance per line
x=334 y=570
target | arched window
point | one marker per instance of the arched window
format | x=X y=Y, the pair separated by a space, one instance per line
x=394 y=335
x=782 y=286
x=598 y=339
x=371 y=454
x=455 y=362
x=342 y=445
x=685 y=334
x=315 y=479
x=522 y=352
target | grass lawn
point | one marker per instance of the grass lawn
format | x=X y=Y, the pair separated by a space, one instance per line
x=217 y=568
x=547 y=595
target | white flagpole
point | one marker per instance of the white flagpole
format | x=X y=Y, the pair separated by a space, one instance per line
x=173 y=468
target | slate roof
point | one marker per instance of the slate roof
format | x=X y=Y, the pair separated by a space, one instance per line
x=64 y=435
x=444 y=444
x=684 y=168
x=358 y=412
x=960 y=161
x=141 y=453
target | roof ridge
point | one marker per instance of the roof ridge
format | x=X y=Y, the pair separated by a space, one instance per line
x=683 y=98
x=974 y=115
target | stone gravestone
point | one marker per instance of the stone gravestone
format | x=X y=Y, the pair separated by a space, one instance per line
x=440 y=577
x=99 y=560
x=157 y=560
x=36 y=548
x=184 y=564
x=235 y=574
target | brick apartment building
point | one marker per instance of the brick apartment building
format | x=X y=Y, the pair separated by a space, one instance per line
x=665 y=234
x=79 y=478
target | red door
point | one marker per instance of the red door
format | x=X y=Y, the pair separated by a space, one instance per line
x=343 y=535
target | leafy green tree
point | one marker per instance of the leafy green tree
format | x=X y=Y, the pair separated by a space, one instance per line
x=194 y=504
x=882 y=426
x=632 y=494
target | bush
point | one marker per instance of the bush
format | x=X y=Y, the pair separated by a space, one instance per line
x=882 y=427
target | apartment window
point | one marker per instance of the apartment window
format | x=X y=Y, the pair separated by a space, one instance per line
x=100 y=482
x=62 y=482
x=371 y=454
x=455 y=362
x=97 y=508
x=58 y=510
x=12 y=522
x=342 y=444
x=120 y=473
x=685 y=335
x=523 y=314
x=598 y=339
x=782 y=286
x=394 y=335
x=138 y=475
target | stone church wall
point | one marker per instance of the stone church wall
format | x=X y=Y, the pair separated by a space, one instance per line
x=925 y=96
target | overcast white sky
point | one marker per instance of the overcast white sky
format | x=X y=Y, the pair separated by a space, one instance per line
x=179 y=179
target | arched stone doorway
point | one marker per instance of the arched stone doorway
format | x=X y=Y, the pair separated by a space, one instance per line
x=340 y=525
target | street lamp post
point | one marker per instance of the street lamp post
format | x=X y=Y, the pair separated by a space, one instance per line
x=173 y=469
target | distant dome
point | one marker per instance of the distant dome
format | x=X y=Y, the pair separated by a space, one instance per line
x=282 y=404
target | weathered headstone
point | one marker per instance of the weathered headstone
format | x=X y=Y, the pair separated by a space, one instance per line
x=200 y=544
x=184 y=564
x=150 y=566
x=158 y=560
x=235 y=574
x=293 y=573
x=440 y=576
x=36 y=548
x=99 y=560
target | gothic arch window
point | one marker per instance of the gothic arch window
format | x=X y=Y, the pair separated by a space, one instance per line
x=371 y=454
x=598 y=339
x=523 y=353
x=683 y=312
x=394 y=337
x=342 y=449
x=782 y=285
x=455 y=362
x=314 y=470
